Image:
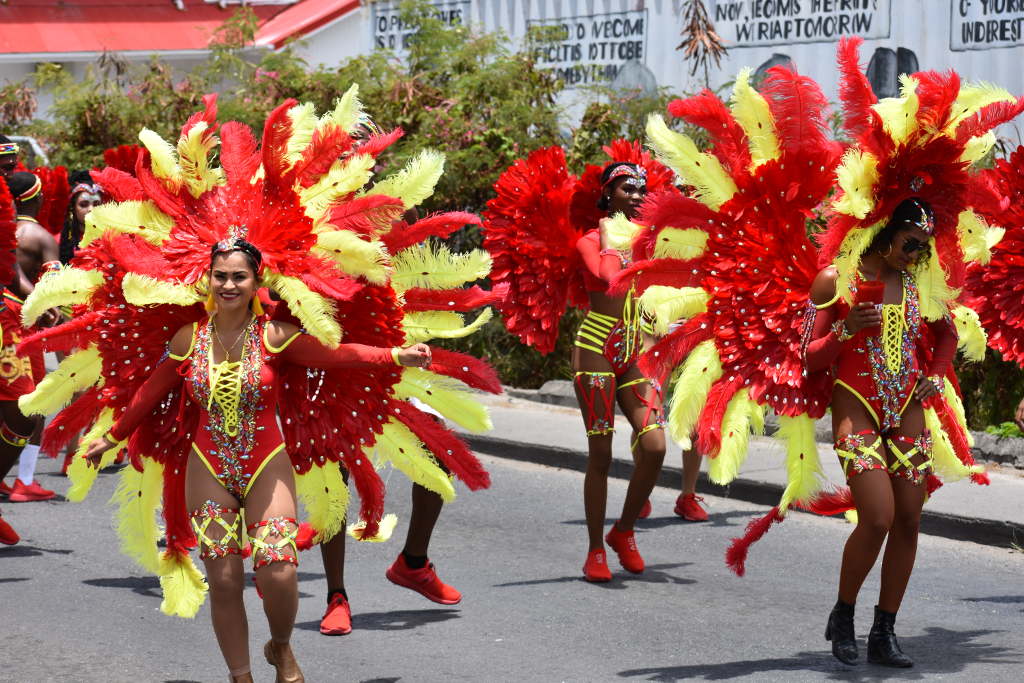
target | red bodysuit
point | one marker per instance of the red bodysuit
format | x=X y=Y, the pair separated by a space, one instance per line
x=238 y=432
x=881 y=366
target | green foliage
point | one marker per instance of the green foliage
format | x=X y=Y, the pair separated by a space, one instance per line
x=991 y=390
x=1005 y=430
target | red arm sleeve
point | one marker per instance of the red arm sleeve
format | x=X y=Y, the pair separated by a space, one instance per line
x=824 y=346
x=306 y=351
x=945 y=347
x=601 y=265
x=152 y=391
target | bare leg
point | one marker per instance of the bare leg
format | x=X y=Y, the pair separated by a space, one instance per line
x=426 y=508
x=592 y=399
x=901 y=548
x=641 y=410
x=332 y=552
x=225 y=575
x=691 y=470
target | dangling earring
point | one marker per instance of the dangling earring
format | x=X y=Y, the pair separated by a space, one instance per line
x=210 y=304
x=257 y=305
x=886 y=254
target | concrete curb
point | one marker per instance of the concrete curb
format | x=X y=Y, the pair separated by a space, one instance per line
x=987 y=447
x=957 y=527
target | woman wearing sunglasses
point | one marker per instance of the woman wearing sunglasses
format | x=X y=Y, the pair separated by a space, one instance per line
x=882 y=378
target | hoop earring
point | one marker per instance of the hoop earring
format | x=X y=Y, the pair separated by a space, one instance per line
x=886 y=254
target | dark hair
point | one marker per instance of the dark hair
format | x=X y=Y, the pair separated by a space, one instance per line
x=603 y=201
x=906 y=215
x=71 y=233
x=247 y=249
x=5 y=140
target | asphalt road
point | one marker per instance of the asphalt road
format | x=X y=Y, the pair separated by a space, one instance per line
x=73 y=609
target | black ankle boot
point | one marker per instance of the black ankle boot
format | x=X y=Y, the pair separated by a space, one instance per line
x=840 y=632
x=882 y=646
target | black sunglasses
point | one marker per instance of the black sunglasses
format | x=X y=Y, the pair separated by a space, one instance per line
x=912 y=245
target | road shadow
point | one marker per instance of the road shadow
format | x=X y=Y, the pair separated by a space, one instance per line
x=999 y=599
x=381 y=680
x=22 y=550
x=182 y=680
x=715 y=519
x=17 y=579
x=653 y=573
x=938 y=651
x=147 y=586
x=395 y=620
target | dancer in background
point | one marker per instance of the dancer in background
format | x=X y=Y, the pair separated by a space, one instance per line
x=557 y=241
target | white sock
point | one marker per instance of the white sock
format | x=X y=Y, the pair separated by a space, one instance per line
x=27 y=464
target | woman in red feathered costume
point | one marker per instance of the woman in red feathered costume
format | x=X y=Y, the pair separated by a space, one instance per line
x=551 y=237
x=901 y=235
x=229 y=365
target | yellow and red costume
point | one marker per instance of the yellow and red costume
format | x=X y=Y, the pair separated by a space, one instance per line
x=344 y=264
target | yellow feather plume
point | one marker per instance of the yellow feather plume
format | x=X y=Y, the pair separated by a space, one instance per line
x=184 y=586
x=665 y=305
x=944 y=460
x=355 y=256
x=679 y=243
x=448 y=396
x=325 y=496
x=899 y=114
x=857 y=175
x=344 y=178
x=163 y=156
x=740 y=416
x=422 y=326
x=138 y=497
x=847 y=260
x=977 y=147
x=803 y=467
x=303 y=123
x=972 y=338
x=81 y=475
x=76 y=372
x=141 y=218
x=699 y=371
x=437 y=267
x=402 y=449
x=972 y=99
x=66 y=287
x=142 y=290
x=194 y=158
x=934 y=294
x=346 y=110
x=957 y=406
x=314 y=311
x=974 y=236
x=621 y=232
x=714 y=186
x=385 y=528
x=415 y=182
x=751 y=111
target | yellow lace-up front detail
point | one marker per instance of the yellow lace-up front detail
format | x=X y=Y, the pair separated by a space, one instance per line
x=894 y=323
x=226 y=386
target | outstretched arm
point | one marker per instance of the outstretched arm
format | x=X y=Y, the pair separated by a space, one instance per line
x=303 y=349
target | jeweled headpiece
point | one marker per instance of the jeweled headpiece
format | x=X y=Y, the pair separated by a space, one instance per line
x=9 y=148
x=637 y=173
x=86 y=187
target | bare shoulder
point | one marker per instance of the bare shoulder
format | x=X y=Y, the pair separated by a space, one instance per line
x=278 y=332
x=823 y=289
x=181 y=342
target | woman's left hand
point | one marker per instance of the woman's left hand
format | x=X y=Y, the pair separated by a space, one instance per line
x=415 y=356
x=925 y=389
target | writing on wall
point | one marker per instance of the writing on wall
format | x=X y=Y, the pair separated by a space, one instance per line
x=985 y=24
x=588 y=50
x=757 y=23
x=391 y=33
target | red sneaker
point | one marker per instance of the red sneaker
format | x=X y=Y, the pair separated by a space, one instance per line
x=688 y=507
x=5 y=490
x=8 y=536
x=595 y=569
x=645 y=511
x=423 y=581
x=337 y=620
x=25 y=493
x=624 y=545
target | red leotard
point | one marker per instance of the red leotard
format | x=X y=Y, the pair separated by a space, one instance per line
x=236 y=441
